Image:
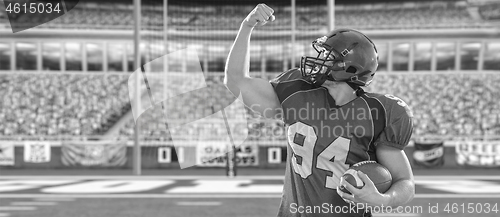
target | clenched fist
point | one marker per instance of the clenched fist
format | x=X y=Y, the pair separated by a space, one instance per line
x=259 y=16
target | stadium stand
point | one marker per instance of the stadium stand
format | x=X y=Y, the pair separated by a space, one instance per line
x=443 y=105
x=405 y=15
x=52 y=105
x=61 y=105
x=490 y=12
x=47 y=106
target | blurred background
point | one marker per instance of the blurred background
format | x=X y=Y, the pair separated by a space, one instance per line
x=65 y=107
x=66 y=79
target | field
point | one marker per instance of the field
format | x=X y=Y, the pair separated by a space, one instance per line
x=88 y=193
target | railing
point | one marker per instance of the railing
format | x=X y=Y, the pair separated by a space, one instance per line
x=163 y=140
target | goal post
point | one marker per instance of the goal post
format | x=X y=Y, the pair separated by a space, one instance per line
x=137 y=63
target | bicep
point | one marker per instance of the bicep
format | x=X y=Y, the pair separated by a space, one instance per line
x=258 y=94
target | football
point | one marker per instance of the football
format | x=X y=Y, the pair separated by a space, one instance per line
x=378 y=173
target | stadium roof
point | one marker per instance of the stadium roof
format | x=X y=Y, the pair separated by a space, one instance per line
x=274 y=2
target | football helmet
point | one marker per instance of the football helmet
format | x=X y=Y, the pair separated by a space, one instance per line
x=344 y=55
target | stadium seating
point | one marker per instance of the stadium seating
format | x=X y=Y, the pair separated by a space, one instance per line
x=490 y=12
x=49 y=105
x=442 y=105
x=85 y=105
x=311 y=17
x=40 y=105
x=447 y=105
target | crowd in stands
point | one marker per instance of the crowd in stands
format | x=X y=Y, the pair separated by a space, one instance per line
x=308 y=17
x=447 y=104
x=418 y=18
x=85 y=105
x=442 y=104
x=490 y=12
x=60 y=105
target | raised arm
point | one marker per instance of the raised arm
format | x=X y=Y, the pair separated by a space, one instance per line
x=258 y=94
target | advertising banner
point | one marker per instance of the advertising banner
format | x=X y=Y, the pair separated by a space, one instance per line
x=36 y=152
x=6 y=153
x=94 y=153
x=212 y=154
x=478 y=153
x=429 y=154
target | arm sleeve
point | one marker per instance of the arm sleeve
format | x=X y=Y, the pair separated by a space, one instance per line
x=399 y=128
x=289 y=82
x=284 y=76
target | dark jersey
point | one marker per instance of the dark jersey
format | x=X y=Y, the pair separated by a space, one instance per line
x=324 y=140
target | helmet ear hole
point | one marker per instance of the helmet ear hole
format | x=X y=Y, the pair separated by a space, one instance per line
x=351 y=69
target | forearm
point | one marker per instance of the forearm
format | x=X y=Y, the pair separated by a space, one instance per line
x=257 y=93
x=400 y=193
x=238 y=61
x=402 y=189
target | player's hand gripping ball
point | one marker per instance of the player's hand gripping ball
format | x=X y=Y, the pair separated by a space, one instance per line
x=378 y=173
x=259 y=16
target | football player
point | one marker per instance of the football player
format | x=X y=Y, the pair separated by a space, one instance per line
x=331 y=122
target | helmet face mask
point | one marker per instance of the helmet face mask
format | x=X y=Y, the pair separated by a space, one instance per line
x=320 y=69
x=344 y=55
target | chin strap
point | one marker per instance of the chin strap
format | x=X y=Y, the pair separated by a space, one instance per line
x=357 y=88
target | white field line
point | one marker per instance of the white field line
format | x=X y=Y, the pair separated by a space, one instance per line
x=457 y=196
x=33 y=203
x=199 y=203
x=139 y=196
x=143 y=196
x=16 y=208
x=142 y=177
x=455 y=177
x=57 y=199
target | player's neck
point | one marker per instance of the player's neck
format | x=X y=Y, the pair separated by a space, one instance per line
x=342 y=94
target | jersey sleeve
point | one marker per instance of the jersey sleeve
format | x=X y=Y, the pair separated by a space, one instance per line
x=399 y=124
x=288 y=83
x=288 y=75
